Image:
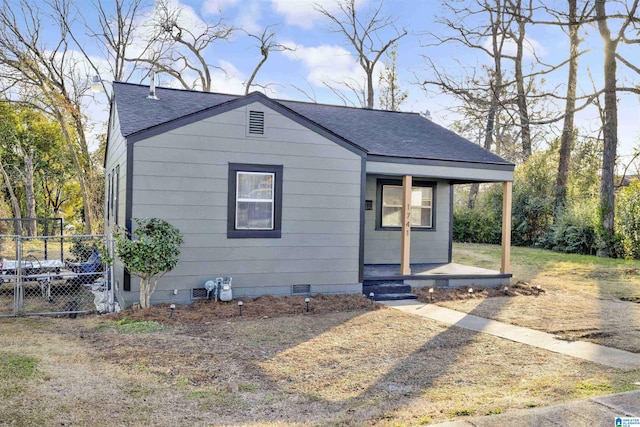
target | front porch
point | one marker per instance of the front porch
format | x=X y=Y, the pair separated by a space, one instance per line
x=435 y=274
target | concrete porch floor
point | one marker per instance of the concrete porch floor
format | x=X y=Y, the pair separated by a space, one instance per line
x=445 y=275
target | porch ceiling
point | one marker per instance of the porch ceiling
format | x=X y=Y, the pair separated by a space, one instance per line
x=458 y=172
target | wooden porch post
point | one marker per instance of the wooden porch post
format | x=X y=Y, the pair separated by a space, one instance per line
x=505 y=265
x=405 y=252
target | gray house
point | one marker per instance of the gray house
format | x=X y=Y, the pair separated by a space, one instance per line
x=290 y=197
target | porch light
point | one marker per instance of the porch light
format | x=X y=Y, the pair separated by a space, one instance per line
x=240 y=307
x=306 y=300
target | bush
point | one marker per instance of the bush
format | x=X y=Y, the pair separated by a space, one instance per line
x=476 y=226
x=150 y=252
x=628 y=219
x=573 y=234
x=533 y=199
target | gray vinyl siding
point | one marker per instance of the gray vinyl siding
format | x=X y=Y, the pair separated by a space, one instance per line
x=383 y=246
x=181 y=176
x=116 y=157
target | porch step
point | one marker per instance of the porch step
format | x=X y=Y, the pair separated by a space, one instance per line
x=389 y=290
x=394 y=297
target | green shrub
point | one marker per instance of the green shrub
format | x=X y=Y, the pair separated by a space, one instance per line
x=573 y=233
x=628 y=219
x=476 y=226
x=533 y=199
x=151 y=251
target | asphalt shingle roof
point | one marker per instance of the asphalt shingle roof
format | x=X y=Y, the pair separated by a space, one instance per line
x=382 y=133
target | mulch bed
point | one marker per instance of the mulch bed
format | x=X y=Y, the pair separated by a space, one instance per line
x=271 y=306
x=462 y=292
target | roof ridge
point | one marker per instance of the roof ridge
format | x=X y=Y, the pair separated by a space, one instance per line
x=321 y=104
x=344 y=106
x=177 y=89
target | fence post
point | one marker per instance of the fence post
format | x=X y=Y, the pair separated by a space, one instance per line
x=20 y=309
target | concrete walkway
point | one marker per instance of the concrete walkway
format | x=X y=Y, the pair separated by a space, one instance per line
x=597 y=411
x=607 y=356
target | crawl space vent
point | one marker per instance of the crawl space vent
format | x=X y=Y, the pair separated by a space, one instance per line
x=256 y=122
x=442 y=283
x=198 y=293
x=300 y=289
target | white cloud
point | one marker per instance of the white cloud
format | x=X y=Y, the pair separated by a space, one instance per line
x=325 y=63
x=303 y=13
x=231 y=80
x=298 y=12
x=249 y=17
x=532 y=48
x=213 y=7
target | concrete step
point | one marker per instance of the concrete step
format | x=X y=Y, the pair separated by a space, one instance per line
x=394 y=297
x=386 y=288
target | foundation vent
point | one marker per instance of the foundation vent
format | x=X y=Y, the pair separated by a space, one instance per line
x=300 y=289
x=198 y=293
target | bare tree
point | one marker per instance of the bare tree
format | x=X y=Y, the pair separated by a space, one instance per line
x=364 y=36
x=573 y=23
x=114 y=35
x=484 y=97
x=267 y=43
x=522 y=14
x=391 y=96
x=178 y=47
x=610 y=120
x=50 y=78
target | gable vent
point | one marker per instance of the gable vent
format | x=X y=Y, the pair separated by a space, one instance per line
x=256 y=122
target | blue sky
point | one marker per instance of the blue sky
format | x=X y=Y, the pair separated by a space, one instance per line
x=322 y=56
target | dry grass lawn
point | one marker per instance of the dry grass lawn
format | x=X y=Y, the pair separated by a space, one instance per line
x=584 y=298
x=346 y=363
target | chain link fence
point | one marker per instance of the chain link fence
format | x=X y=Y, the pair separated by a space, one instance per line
x=53 y=275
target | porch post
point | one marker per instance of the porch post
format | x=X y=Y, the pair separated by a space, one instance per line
x=405 y=250
x=505 y=265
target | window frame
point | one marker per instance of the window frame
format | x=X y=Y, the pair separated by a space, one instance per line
x=235 y=233
x=397 y=182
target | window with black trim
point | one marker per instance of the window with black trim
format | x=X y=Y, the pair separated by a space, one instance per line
x=254 y=201
x=390 y=204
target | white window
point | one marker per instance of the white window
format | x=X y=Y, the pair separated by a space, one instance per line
x=255 y=200
x=421 y=206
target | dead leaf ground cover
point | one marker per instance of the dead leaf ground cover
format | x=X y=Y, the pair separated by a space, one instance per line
x=346 y=362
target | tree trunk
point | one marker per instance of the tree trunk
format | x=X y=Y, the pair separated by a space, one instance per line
x=525 y=130
x=370 y=93
x=86 y=197
x=566 y=139
x=488 y=140
x=29 y=193
x=610 y=134
x=15 y=206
